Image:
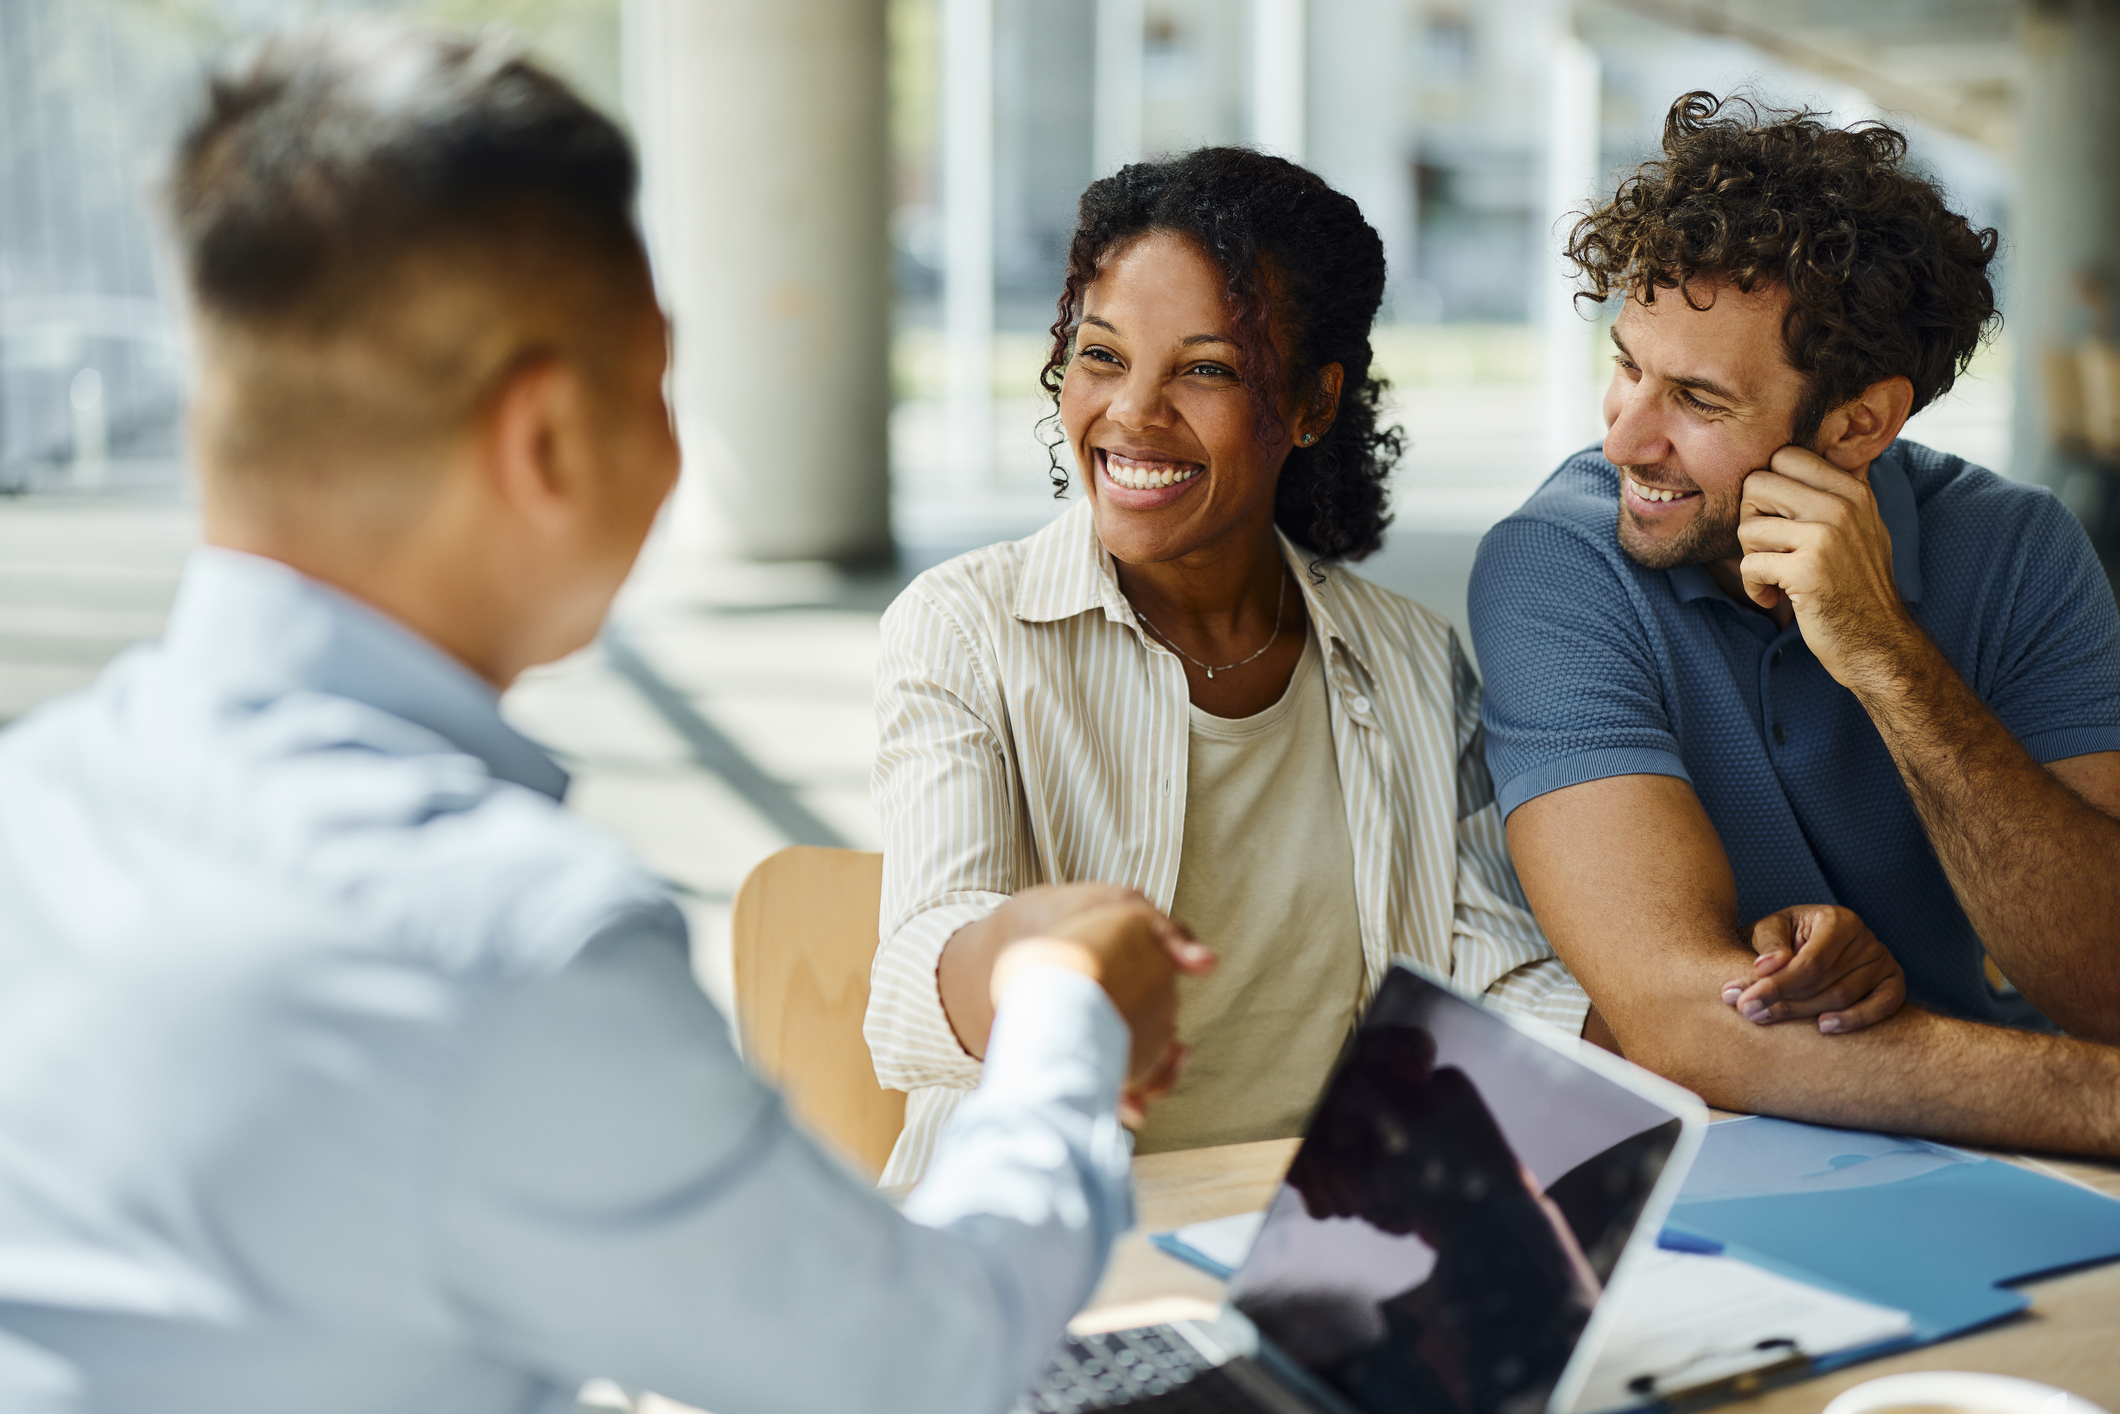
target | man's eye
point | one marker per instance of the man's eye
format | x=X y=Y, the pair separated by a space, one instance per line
x=1695 y=403
x=1620 y=360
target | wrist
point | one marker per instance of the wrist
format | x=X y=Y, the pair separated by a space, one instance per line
x=1026 y=954
x=1893 y=662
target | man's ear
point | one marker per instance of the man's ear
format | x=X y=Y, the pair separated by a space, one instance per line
x=1853 y=434
x=526 y=437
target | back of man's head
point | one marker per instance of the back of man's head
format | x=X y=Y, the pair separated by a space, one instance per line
x=376 y=224
x=1884 y=279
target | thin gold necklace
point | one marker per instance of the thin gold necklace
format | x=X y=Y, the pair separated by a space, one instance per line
x=1279 y=604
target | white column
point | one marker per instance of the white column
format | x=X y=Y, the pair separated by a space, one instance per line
x=1116 y=131
x=1569 y=337
x=2065 y=228
x=765 y=130
x=1278 y=65
x=968 y=235
x=1358 y=137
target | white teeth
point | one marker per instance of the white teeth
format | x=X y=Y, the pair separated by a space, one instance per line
x=1141 y=476
x=1651 y=494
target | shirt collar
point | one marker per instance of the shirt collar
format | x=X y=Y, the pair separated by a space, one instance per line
x=1067 y=571
x=1895 y=506
x=264 y=629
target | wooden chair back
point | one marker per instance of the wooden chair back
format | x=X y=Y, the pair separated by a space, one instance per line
x=803 y=935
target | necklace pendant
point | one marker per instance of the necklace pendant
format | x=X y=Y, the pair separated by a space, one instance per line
x=1210 y=674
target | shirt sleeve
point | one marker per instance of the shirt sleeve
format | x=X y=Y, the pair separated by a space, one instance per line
x=1497 y=948
x=626 y=1200
x=2056 y=684
x=953 y=846
x=1573 y=691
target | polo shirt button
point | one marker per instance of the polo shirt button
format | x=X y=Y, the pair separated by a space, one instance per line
x=1781 y=738
x=1775 y=661
x=1358 y=704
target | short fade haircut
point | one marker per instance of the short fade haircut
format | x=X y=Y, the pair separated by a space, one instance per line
x=1884 y=279
x=402 y=192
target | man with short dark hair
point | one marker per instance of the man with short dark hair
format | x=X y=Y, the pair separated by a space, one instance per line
x=1763 y=675
x=341 y=1069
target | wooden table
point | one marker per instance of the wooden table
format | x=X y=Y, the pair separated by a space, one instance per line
x=2070 y=1337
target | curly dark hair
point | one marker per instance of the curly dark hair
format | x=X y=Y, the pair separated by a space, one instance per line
x=1298 y=259
x=1883 y=277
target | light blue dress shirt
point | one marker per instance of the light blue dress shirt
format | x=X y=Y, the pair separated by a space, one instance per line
x=342 y=1069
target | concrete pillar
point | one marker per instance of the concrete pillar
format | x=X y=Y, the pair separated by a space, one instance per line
x=968 y=236
x=1568 y=335
x=2065 y=226
x=1358 y=135
x=1120 y=25
x=1279 y=66
x=764 y=131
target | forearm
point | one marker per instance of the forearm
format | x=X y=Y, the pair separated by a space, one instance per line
x=1915 y=1072
x=2036 y=867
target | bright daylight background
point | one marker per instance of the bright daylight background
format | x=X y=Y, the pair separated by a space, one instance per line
x=728 y=713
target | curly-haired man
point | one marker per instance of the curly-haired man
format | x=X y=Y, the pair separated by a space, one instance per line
x=1762 y=660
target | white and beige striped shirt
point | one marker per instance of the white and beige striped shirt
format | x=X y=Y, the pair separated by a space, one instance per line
x=1031 y=733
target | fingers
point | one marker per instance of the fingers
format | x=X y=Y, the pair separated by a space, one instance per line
x=1192 y=957
x=1843 y=991
x=1887 y=997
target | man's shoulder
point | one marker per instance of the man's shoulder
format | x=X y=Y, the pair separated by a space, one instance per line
x=375 y=825
x=1563 y=535
x=1952 y=494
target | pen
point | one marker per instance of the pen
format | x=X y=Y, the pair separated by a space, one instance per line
x=1677 y=1239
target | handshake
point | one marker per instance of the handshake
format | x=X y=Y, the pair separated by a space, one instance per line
x=1111 y=935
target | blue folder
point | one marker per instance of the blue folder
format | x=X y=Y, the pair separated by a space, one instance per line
x=1933 y=1231
x=1919 y=1227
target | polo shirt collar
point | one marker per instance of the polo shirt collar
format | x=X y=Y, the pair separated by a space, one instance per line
x=1067 y=571
x=261 y=629
x=1895 y=506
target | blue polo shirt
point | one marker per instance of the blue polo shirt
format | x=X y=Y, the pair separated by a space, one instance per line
x=1598 y=667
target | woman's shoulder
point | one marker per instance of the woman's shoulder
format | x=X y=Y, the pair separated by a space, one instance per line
x=986 y=590
x=1385 y=620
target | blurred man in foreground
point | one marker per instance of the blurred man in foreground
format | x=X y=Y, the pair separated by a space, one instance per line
x=340 y=1068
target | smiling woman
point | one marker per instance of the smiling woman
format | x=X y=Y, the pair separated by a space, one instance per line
x=1177 y=690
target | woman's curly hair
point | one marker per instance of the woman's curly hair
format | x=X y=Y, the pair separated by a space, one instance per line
x=1883 y=277
x=1299 y=261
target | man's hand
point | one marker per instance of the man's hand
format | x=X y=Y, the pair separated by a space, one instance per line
x=1818 y=960
x=1814 y=540
x=964 y=973
x=1137 y=955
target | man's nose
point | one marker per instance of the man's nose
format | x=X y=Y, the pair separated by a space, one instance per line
x=1634 y=433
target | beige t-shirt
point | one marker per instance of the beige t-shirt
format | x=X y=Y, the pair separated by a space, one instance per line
x=1267 y=880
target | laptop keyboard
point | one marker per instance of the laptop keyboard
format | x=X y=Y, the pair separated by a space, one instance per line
x=1152 y=1367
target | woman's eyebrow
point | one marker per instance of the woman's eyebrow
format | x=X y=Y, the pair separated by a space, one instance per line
x=1189 y=340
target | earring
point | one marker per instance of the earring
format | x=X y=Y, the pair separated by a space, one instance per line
x=1309 y=437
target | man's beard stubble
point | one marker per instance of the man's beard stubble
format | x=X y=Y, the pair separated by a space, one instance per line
x=1710 y=536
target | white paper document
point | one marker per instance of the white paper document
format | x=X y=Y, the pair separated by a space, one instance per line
x=1686 y=1320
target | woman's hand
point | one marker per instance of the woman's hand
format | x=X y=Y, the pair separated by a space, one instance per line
x=1818 y=960
x=1136 y=955
x=964 y=974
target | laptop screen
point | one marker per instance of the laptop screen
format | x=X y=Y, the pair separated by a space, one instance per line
x=1457 y=1204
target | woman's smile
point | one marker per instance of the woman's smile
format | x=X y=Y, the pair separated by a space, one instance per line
x=1142 y=483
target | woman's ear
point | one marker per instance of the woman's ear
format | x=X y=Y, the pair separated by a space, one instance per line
x=1855 y=433
x=1323 y=404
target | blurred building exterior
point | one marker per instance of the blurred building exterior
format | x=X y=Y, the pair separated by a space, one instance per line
x=860 y=211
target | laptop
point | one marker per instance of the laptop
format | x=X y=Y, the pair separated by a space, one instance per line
x=1469 y=1193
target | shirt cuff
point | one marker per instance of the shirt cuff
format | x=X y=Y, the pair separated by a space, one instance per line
x=1587 y=766
x=2064 y=742
x=1056 y=1036
x=911 y=1041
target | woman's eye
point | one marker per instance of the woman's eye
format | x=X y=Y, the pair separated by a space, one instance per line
x=1097 y=354
x=1214 y=370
